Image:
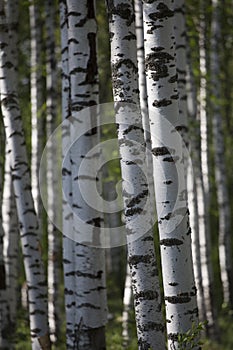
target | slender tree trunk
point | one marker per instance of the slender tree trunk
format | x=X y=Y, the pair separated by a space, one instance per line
x=90 y=296
x=68 y=243
x=203 y=194
x=220 y=167
x=11 y=239
x=143 y=96
x=21 y=180
x=36 y=103
x=52 y=182
x=126 y=307
x=196 y=190
x=141 y=254
x=171 y=192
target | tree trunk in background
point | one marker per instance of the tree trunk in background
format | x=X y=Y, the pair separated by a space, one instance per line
x=143 y=97
x=141 y=254
x=171 y=192
x=90 y=296
x=126 y=307
x=68 y=243
x=52 y=181
x=195 y=189
x=220 y=167
x=11 y=240
x=36 y=103
x=22 y=188
x=203 y=193
x=4 y=301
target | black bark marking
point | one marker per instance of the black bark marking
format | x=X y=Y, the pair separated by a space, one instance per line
x=157 y=62
x=130 y=36
x=137 y=259
x=91 y=306
x=65 y=172
x=89 y=275
x=179 y=299
x=123 y=10
x=161 y=103
x=173 y=284
x=170 y=242
x=151 y=326
x=133 y=211
x=160 y=151
x=167 y=182
x=171 y=159
x=137 y=199
x=133 y=127
x=173 y=79
x=146 y=295
x=163 y=12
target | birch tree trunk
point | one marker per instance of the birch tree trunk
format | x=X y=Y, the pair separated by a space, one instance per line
x=52 y=182
x=11 y=239
x=143 y=96
x=90 y=296
x=203 y=195
x=196 y=189
x=126 y=308
x=9 y=215
x=141 y=254
x=68 y=243
x=21 y=180
x=170 y=189
x=220 y=167
x=36 y=102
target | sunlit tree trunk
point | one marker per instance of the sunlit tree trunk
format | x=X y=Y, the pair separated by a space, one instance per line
x=170 y=190
x=90 y=289
x=203 y=194
x=126 y=307
x=220 y=167
x=36 y=102
x=141 y=254
x=22 y=188
x=195 y=188
x=52 y=181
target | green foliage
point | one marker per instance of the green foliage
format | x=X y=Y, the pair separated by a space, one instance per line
x=191 y=339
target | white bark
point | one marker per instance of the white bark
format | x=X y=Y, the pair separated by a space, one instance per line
x=143 y=96
x=52 y=182
x=170 y=189
x=126 y=307
x=225 y=258
x=195 y=189
x=68 y=243
x=36 y=103
x=21 y=180
x=11 y=239
x=141 y=254
x=203 y=187
x=90 y=297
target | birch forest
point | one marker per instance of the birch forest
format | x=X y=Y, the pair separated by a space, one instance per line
x=116 y=141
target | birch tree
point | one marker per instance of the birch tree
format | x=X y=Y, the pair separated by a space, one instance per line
x=52 y=181
x=89 y=273
x=36 y=101
x=28 y=221
x=141 y=254
x=220 y=167
x=173 y=220
x=204 y=229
